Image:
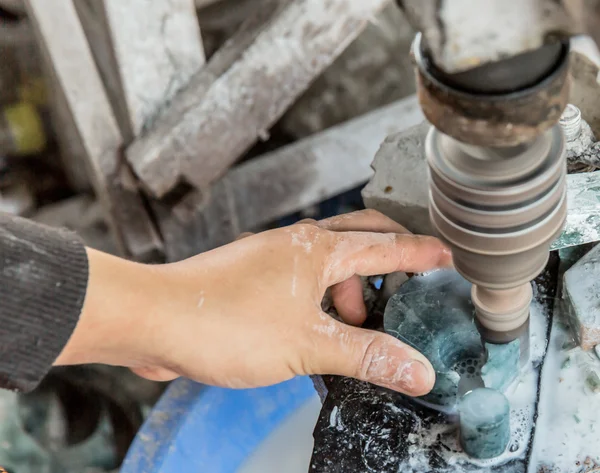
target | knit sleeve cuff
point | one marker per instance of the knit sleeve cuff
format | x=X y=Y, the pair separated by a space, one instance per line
x=43 y=280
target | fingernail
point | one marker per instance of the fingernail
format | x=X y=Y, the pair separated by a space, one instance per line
x=413 y=378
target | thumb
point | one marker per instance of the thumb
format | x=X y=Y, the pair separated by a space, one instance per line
x=374 y=357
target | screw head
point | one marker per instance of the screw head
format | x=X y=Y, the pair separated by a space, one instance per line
x=570 y=122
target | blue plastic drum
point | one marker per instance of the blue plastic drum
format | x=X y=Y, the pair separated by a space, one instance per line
x=198 y=429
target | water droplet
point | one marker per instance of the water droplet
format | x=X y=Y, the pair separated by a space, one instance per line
x=514 y=447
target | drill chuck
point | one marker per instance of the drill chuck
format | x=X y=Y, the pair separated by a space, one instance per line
x=499 y=209
x=497 y=175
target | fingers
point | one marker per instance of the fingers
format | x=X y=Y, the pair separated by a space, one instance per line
x=374 y=357
x=349 y=302
x=348 y=295
x=362 y=221
x=369 y=254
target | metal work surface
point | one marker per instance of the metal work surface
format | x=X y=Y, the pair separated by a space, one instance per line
x=363 y=428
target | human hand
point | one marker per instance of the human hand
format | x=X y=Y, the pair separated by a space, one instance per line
x=249 y=313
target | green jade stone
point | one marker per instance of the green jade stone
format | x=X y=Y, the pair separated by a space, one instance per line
x=433 y=313
x=484 y=423
x=593 y=382
x=493 y=372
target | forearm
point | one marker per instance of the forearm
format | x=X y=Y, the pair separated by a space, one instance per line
x=120 y=305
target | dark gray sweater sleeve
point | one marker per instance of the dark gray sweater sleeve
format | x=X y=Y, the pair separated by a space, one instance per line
x=43 y=280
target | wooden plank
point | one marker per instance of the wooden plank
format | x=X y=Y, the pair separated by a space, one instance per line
x=244 y=89
x=157 y=47
x=67 y=52
x=146 y=52
x=282 y=182
x=94 y=22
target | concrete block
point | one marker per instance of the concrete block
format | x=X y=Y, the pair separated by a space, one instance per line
x=399 y=188
x=581 y=290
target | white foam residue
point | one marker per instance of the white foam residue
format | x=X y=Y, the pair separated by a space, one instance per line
x=567 y=436
x=333 y=417
x=522 y=396
x=538 y=328
x=301 y=237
